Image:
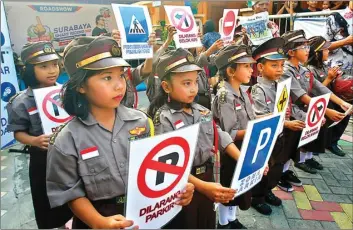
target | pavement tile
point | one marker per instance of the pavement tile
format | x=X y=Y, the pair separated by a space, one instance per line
x=341 y=190
x=330 y=179
x=347 y=184
x=3 y=194
x=329 y=225
x=348 y=209
x=3 y=167
x=304 y=224
x=302 y=200
x=315 y=215
x=336 y=198
x=283 y=195
x=306 y=181
x=302 y=174
x=262 y=223
x=337 y=173
x=312 y=193
x=3 y=179
x=278 y=218
x=344 y=168
x=3 y=212
x=321 y=186
x=326 y=206
x=342 y=220
x=290 y=209
x=298 y=189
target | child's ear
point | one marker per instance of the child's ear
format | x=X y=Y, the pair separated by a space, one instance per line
x=230 y=71
x=290 y=53
x=260 y=67
x=166 y=87
x=81 y=90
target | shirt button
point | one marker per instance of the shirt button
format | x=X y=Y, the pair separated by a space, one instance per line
x=114 y=140
x=92 y=170
x=122 y=165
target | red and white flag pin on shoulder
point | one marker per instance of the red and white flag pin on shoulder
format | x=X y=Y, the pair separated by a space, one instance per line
x=32 y=110
x=178 y=124
x=89 y=153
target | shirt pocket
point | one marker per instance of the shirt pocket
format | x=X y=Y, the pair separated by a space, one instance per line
x=96 y=177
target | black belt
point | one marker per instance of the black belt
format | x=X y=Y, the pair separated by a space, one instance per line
x=116 y=200
x=201 y=169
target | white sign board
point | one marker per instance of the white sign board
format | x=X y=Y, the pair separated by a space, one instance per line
x=256 y=27
x=349 y=111
x=161 y=166
x=314 y=116
x=228 y=25
x=258 y=143
x=9 y=84
x=183 y=20
x=135 y=26
x=50 y=108
x=282 y=100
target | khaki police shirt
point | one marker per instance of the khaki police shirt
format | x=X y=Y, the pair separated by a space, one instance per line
x=97 y=178
x=23 y=114
x=264 y=96
x=231 y=110
x=167 y=118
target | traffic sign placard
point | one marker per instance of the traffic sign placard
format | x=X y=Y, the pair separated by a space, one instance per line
x=229 y=22
x=183 y=20
x=283 y=100
x=314 y=116
x=50 y=109
x=159 y=168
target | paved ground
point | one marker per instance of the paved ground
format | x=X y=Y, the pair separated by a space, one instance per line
x=324 y=202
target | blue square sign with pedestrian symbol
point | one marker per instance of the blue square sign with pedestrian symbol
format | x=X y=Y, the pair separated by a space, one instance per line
x=258 y=143
x=135 y=24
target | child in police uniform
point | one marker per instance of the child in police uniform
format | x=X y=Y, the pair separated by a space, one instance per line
x=41 y=70
x=270 y=59
x=303 y=86
x=91 y=151
x=176 y=108
x=232 y=110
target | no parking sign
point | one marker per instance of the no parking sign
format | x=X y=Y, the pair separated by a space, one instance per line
x=135 y=26
x=160 y=166
x=50 y=108
x=228 y=25
x=256 y=150
x=183 y=20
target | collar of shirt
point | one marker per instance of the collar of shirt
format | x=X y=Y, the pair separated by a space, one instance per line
x=194 y=106
x=230 y=88
x=266 y=82
x=121 y=112
x=29 y=92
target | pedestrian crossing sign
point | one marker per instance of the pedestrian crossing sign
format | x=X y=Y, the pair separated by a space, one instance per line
x=135 y=26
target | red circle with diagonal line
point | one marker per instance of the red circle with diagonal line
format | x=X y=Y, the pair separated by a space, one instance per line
x=186 y=16
x=149 y=163
x=317 y=114
x=49 y=100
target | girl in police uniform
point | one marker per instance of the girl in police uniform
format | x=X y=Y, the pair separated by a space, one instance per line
x=41 y=70
x=232 y=110
x=174 y=108
x=91 y=152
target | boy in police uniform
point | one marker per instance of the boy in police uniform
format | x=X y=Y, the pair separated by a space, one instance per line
x=270 y=59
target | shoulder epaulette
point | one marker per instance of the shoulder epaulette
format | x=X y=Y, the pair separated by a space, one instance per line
x=13 y=97
x=156 y=119
x=55 y=134
x=223 y=95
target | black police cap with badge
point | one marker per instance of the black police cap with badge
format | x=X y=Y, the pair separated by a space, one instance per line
x=92 y=53
x=176 y=61
x=318 y=43
x=233 y=54
x=296 y=36
x=271 y=49
x=38 y=52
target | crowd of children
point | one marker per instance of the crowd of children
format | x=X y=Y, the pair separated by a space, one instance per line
x=99 y=95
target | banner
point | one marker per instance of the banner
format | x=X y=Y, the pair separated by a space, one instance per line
x=256 y=27
x=160 y=166
x=9 y=83
x=258 y=143
x=281 y=102
x=228 y=25
x=183 y=20
x=50 y=108
x=58 y=23
x=135 y=26
x=314 y=116
x=311 y=26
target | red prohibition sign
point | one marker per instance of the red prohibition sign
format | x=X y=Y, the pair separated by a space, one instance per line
x=47 y=99
x=229 y=19
x=149 y=163
x=317 y=112
x=184 y=17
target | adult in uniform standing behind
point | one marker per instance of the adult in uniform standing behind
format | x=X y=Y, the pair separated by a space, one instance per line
x=91 y=151
x=41 y=70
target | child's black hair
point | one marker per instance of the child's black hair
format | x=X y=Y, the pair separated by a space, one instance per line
x=74 y=102
x=315 y=59
x=159 y=100
x=223 y=75
x=291 y=46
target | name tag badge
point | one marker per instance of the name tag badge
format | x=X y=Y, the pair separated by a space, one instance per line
x=238 y=107
x=89 y=153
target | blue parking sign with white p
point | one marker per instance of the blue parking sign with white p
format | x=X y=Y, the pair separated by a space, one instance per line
x=258 y=143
